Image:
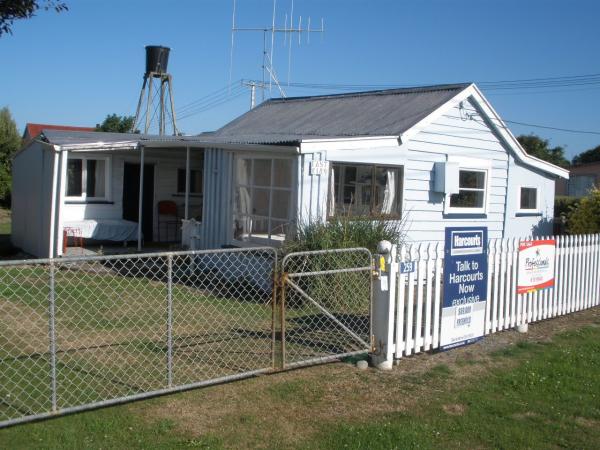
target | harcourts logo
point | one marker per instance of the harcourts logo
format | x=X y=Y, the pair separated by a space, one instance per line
x=467 y=243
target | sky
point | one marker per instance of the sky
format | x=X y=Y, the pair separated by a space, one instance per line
x=76 y=67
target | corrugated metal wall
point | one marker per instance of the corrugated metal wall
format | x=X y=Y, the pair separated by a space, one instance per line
x=214 y=230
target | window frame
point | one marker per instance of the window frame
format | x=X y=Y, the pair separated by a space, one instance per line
x=192 y=193
x=520 y=209
x=448 y=209
x=253 y=241
x=107 y=179
x=339 y=185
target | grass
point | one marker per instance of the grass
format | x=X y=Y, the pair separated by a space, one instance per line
x=528 y=395
x=6 y=248
x=550 y=400
x=111 y=334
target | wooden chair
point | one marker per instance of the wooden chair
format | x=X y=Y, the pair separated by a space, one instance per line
x=167 y=217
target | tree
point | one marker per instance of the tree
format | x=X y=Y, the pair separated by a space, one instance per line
x=540 y=148
x=11 y=10
x=116 y=124
x=591 y=155
x=10 y=142
x=585 y=217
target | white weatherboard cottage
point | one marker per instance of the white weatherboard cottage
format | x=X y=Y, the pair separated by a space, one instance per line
x=436 y=156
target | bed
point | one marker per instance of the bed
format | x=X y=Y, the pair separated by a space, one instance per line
x=102 y=229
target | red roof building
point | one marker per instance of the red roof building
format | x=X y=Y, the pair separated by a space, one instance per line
x=33 y=130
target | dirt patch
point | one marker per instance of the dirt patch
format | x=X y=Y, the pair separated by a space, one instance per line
x=587 y=423
x=282 y=409
x=454 y=409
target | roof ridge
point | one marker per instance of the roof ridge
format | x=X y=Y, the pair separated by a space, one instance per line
x=392 y=91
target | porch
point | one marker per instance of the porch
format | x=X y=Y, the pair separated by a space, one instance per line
x=115 y=201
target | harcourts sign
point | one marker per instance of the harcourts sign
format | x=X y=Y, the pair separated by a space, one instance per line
x=465 y=286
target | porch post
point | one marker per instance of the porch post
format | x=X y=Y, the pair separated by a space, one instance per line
x=62 y=191
x=141 y=196
x=187 y=182
x=55 y=203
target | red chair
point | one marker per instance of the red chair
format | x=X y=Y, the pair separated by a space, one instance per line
x=74 y=233
x=167 y=217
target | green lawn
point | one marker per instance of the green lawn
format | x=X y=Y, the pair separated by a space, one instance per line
x=111 y=332
x=550 y=400
x=529 y=395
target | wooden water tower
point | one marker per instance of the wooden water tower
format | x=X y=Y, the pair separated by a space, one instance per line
x=154 y=98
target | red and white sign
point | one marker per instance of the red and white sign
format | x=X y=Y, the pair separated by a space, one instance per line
x=536 y=265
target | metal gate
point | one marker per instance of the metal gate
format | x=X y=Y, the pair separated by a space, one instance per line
x=325 y=303
x=83 y=332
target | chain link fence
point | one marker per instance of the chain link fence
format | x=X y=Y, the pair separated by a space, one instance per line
x=82 y=332
x=327 y=305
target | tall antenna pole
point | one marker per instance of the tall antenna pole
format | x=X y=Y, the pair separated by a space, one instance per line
x=272 y=39
x=268 y=53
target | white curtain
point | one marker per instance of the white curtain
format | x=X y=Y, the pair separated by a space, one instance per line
x=389 y=195
x=331 y=206
x=244 y=203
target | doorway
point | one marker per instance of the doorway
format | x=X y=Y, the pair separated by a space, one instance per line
x=131 y=193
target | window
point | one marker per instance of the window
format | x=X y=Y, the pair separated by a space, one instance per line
x=196 y=177
x=471 y=195
x=262 y=199
x=365 y=190
x=528 y=199
x=87 y=178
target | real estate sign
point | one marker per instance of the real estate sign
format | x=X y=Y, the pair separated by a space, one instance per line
x=536 y=265
x=465 y=286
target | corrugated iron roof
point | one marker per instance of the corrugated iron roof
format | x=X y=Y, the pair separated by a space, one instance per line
x=388 y=112
x=33 y=130
x=59 y=137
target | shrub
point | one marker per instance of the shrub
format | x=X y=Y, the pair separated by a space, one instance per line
x=585 y=216
x=345 y=232
x=563 y=205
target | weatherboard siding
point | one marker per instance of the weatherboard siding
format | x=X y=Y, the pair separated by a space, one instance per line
x=519 y=224
x=456 y=133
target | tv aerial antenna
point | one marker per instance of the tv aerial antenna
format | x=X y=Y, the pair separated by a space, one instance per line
x=289 y=30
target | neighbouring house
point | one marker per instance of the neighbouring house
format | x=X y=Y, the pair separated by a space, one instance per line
x=434 y=156
x=582 y=178
x=33 y=130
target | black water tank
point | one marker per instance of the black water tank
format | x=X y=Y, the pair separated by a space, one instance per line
x=157 y=58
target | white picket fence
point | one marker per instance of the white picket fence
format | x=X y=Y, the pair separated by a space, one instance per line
x=413 y=301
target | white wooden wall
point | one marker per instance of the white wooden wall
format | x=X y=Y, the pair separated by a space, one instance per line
x=416 y=298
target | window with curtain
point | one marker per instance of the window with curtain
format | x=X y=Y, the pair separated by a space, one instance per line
x=262 y=199
x=87 y=178
x=365 y=190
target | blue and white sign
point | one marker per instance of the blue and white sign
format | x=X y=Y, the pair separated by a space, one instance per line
x=465 y=286
x=407 y=266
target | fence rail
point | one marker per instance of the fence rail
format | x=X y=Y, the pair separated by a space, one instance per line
x=415 y=298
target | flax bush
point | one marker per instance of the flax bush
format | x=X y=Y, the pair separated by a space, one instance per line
x=345 y=231
x=343 y=293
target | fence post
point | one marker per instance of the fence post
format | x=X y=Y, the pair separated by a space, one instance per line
x=170 y=320
x=384 y=290
x=52 y=335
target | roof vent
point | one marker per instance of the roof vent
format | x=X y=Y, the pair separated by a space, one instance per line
x=157 y=59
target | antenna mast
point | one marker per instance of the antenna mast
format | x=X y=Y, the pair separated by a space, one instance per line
x=267 y=67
